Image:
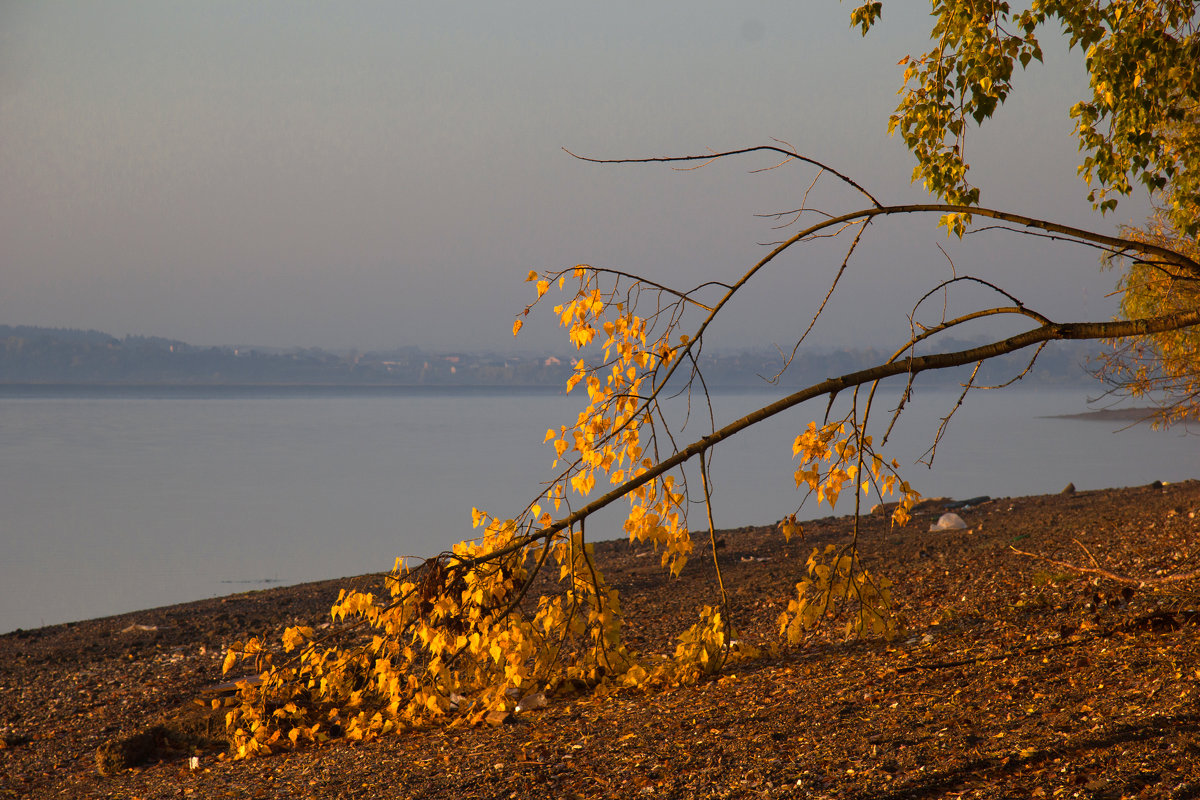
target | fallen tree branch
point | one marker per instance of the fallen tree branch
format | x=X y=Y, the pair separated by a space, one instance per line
x=1112 y=576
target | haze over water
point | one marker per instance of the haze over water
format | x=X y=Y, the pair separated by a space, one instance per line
x=116 y=503
x=376 y=175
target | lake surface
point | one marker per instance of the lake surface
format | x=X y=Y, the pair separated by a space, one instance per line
x=115 y=500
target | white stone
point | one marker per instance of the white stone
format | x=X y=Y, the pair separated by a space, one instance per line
x=949 y=522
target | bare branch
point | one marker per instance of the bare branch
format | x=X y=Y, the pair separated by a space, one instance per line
x=1020 y=307
x=836 y=279
x=1178 y=577
x=791 y=154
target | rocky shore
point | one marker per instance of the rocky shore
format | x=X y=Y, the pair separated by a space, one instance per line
x=1051 y=648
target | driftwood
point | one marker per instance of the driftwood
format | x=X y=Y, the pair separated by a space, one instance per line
x=1100 y=572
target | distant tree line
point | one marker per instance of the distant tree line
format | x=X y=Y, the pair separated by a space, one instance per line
x=34 y=355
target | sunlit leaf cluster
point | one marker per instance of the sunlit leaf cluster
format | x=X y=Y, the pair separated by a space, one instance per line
x=830 y=461
x=707 y=646
x=450 y=642
x=614 y=436
x=833 y=579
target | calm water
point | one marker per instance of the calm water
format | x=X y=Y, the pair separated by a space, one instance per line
x=126 y=500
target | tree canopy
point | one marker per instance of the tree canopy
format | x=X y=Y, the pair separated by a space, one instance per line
x=522 y=608
x=1138 y=125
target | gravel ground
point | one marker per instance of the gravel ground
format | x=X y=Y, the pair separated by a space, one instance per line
x=1013 y=677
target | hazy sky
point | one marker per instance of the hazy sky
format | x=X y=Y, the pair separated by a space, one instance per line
x=384 y=174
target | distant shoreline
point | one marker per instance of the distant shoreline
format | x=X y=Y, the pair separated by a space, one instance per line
x=38 y=355
x=207 y=389
x=1143 y=414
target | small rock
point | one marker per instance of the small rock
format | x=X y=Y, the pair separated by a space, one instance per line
x=498 y=717
x=1070 y=489
x=11 y=738
x=531 y=701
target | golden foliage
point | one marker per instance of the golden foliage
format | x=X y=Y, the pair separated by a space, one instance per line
x=1163 y=368
x=836 y=578
x=457 y=637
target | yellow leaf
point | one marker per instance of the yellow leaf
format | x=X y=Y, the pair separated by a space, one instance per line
x=789 y=527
